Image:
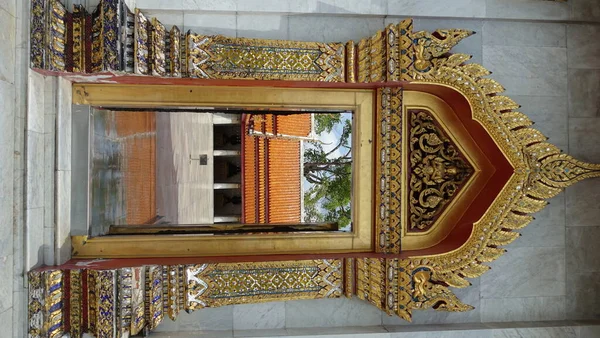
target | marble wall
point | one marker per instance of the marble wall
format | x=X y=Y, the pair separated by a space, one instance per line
x=8 y=158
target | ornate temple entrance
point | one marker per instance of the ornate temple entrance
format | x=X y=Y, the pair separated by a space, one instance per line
x=444 y=170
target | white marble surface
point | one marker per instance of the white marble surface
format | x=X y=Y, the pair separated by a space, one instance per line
x=7 y=43
x=527 y=9
x=6 y=317
x=262 y=26
x=369 y=7
x=9 y=6
x=35 y=102
x=536 y=332
x=34 y=238
x=333 y=28
x=7 y=132
x=199 y=5
x=210 y=24
x=209 y=319
x=528 y=70
x=524 y=34
x=526 y=272
x=34 y=185
x=63 y=124
x=6 y=290
x=522 y=309
x=49 y=179
x=458 y=8
x=331 y=313
x=444 y=334
x=259 y=316
x=63 y=217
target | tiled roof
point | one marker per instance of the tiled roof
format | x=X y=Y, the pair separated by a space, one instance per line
x=271 y=168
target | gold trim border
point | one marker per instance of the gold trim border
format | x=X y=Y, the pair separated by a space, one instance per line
x=149 y=96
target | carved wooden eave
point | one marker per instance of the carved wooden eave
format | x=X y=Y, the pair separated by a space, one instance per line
x=110 y=298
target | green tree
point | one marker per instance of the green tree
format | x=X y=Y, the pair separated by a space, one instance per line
x=330 y=174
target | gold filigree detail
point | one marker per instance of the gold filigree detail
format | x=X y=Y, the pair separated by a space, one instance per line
x=220 y=57
x=388 y=222
x=154 y=295
x=105 y=296
x=75 y=303
x=350 y=62
x=392 y=38
x=438 y=170
x=378 y=57
x=175 y=52
x=211 y=285
x=349 y=277
x=364 y=60
x=158 y=48
x=141 y=44
x=79 y=17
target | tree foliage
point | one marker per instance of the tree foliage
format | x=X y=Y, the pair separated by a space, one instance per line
x=329 y=173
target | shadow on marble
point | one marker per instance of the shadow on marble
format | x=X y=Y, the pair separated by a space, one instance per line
x=589 y=331
x=584 y=139
x=583 y=47
x=585 y=10
x=583 y=295
x=584 y=92
x=536 y=332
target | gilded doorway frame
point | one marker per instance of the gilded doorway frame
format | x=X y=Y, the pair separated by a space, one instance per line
x=359 y=101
